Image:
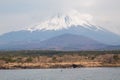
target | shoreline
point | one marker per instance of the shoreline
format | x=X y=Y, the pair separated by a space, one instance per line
x=56 y=68
x=13 y=66
x=53 y=59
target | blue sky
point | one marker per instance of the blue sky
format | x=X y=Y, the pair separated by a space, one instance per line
x=18 y=14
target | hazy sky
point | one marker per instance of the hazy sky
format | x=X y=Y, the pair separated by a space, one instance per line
x=18 y=14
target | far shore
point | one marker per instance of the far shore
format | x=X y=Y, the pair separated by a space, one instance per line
x=58 y=59
x=56 y=65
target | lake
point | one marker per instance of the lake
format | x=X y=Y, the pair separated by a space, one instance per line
x=62 y=74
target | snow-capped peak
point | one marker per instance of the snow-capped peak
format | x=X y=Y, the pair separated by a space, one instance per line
x=70 y=19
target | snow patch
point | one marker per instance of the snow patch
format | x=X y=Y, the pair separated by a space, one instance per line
x=70 y=19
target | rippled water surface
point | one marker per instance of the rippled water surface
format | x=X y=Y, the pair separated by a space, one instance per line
x=62 y=74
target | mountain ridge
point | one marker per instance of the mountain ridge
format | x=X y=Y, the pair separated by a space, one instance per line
x=65 y=21
x=103 y=36
x=65 y=42
x=71 y=42
x=72 y=23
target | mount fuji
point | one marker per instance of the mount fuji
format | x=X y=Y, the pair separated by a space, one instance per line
x=71 y=31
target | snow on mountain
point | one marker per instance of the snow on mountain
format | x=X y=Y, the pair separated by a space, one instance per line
x=52 y=34
x=65 y=21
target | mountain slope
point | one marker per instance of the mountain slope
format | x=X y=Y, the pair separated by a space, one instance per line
x=25 y=36
x=75 y=23
x=64 y=21
x=72 y=42
x=71 y=23
x=62 y=42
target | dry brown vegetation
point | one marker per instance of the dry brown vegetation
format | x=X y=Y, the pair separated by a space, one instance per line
x=65 y=60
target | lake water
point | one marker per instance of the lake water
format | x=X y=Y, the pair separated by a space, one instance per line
x=62 y=74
